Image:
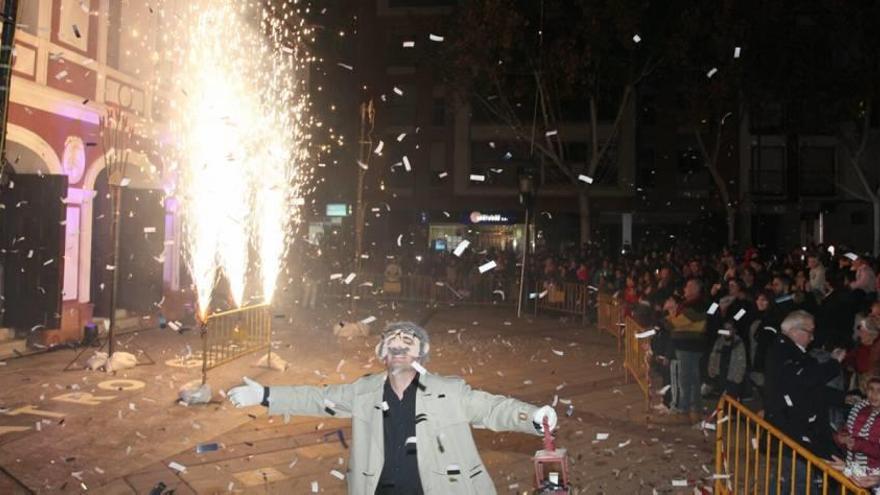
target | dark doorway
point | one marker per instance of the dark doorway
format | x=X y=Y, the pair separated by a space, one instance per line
x=141 y=244
x=32 y=240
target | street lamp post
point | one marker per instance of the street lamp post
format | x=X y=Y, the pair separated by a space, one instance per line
x=527 y=199
x=115 y=133
x=365 y=149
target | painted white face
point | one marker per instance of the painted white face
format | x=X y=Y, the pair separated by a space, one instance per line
x=399 y=344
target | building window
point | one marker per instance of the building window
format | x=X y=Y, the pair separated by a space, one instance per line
x=399 y=55
x=817 y=171
x=438 y=111
x=498 y=162
x=692 y=173
x=768 y=170
x=438 y=164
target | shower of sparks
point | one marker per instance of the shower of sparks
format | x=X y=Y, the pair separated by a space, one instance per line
x=238 y=122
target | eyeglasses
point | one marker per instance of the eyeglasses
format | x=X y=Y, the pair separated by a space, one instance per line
x=810 y=331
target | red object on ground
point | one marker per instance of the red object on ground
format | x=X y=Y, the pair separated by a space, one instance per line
x=551 y=459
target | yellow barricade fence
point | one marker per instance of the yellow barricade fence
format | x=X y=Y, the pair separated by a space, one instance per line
x=566 y=297
x=752 y=456
x=636 y=353
x=609 y=316
x=232 y=334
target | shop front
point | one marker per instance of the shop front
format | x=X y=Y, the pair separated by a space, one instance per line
x=498 y=230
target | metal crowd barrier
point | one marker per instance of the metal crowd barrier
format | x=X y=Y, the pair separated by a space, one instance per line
x=752 y=456
x=636 y=352
x=232 y=334
x=567 y=297
x=609 y=316
x=484 y=289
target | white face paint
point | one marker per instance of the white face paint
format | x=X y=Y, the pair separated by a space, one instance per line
x=399 y=350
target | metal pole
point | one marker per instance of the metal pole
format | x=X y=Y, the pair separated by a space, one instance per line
x=10 y=15
x=116 y=199
x=364 y=151
x=522 y=273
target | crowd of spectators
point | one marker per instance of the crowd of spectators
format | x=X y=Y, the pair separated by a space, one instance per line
x=793 y=335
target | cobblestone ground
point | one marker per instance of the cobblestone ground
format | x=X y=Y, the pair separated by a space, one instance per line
x=122 y=437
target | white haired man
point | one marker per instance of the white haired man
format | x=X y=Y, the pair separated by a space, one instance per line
x=411 y=429
x=797 y=395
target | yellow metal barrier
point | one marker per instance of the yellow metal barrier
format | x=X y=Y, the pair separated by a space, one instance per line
x=232 y=334
x=752 y=456
x=609 y=316
x=636 y=353
x=567 y=297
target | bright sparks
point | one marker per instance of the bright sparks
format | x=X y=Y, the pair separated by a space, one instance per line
x=239 y=128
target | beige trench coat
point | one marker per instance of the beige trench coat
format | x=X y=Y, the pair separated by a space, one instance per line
x=446 y=407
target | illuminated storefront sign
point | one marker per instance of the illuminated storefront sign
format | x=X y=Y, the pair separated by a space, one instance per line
x=477 y=217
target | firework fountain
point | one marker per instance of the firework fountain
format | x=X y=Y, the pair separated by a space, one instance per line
x=239 y=126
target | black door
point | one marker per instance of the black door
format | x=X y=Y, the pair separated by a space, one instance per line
x=32 y=240
x=141 y=243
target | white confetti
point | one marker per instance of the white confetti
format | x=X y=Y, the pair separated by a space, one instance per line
x=409 y=44
x=712 y=309
x=736 y=52
x=149 y=230
x=558 y=353
x=788 y=400
x=368 y=320
x=406 y=164
x=478 y=177
x=711 y=72
x=110 y=268
x=739 y=314
x=418 y=367
x=646 y=334
x=124 y=182
x=398 y=91
x=61 y=75
x=345 y=66
x=461 y=247
x=585 y=178
x=485 y=267
x=551 y=133
x=602 y=436
x=400 y=137
x=349 y=278
x=177 y=466
x=442 y=175
x=679 y=482
x=379 y=147
x=314 y=487
x=48 y=262
x=637 y=38
x=337 y=474
x=724 y=332
x=335 y=276
x=435 y=37
x=400 y=240
x=665 y=389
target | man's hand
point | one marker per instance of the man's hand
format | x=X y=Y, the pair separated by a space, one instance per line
x=838 y=354
x=545 y=412
x=249 y=394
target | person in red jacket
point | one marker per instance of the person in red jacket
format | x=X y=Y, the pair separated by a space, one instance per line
x=860 y=436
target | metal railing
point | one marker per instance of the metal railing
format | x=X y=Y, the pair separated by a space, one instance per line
x=566 y=297
x=636 y=353
x=609 y=316
x=752 y=456
x=232 y=334
x=483 y=289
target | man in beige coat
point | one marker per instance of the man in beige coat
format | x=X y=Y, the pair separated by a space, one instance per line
x=411 y=429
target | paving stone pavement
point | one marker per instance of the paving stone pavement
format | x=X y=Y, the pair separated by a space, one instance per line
x=122 y=438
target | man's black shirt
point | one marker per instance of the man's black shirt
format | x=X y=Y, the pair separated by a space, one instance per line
x=400 y=474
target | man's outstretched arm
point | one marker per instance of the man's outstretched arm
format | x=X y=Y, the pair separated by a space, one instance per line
x=500 y=413
x=305 y=400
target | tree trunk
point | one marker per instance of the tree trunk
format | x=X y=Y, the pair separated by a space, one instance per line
x=876 y=246
x=731 y=226
x=584 y=210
